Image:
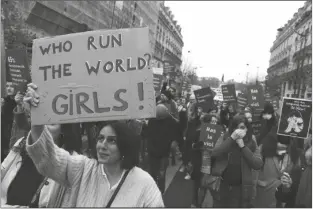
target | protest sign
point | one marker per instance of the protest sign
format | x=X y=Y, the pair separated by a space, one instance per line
x=158 y=71
x=209 y=134
x=255 y=99
x=242 y=100
x=17 y=67
x=93 y=76
x=295 y=118
x=256 y=127
x=204 y=98
x=157 y=82
x=229 y=93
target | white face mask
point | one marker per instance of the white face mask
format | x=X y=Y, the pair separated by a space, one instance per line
x=267 y=116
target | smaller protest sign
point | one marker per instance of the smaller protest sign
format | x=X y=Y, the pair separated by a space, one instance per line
x=17 y=68
x=242 y=100
x=157 y=82
x=229 y=93
x=255 y=97
x=295 y=118
x=209 y=134
x=158 y=71
x=204 y=98
x=256 y=127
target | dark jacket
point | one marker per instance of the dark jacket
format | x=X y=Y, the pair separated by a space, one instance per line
x=20 y=127
x=249 y=161
x=300 y=193
x=7 y=121
x=160 y=134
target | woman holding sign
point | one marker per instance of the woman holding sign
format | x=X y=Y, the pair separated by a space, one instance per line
x=110 y=180
x=235 y=156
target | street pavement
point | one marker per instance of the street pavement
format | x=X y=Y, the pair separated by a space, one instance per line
x=179 y=191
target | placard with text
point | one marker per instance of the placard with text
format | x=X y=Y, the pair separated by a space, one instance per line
x=93 y=76
x=295 y=118
x=209 y=134
x=229 y=93
x=17 y=67
x=157 y=82
x=255 y=99
x=204 y=98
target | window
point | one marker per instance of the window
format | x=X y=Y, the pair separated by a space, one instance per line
x=288 y=95
x=309 y=95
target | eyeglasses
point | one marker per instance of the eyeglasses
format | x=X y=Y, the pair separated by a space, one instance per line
x=109 y=139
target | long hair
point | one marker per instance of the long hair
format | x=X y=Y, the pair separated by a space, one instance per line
x=248 y=140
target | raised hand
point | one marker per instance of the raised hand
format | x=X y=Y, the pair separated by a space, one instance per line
x=32 y=97
x=19 y=98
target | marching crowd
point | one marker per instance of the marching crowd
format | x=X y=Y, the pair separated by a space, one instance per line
x=46 y=165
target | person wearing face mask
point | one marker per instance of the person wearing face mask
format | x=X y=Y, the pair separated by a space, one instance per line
x=296 y=188
x=111 y=180
x=281 y=156
x=234 y=158
x=268 y=122
x=7 y=105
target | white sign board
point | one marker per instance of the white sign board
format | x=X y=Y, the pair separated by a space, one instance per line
x=93 y=76
x=158 y=71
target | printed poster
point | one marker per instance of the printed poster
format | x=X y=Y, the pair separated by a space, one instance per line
x=229 y=93
x=17 y=68
x=204 y=98
x=295 y=118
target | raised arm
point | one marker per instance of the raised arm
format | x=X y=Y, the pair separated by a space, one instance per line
x=52 y=161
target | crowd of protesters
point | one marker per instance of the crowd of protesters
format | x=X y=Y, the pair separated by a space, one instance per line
x=48 y=166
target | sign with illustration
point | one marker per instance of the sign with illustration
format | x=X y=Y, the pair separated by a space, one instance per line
x=93 y=76
x=295 y=118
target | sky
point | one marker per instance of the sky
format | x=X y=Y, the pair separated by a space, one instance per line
x=224 y=36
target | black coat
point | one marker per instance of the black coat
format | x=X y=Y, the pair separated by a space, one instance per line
x=160 y=134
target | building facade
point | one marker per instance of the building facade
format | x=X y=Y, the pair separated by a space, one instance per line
x=51 y=18
x=169 y=46
x=290 y=66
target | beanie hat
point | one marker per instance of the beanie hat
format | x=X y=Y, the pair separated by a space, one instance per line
x=161 y=111
x=268 y=108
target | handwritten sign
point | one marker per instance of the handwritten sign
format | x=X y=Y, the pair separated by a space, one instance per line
x=295 y=118
x=93 y=76
x=209 y=134
x=157 y=82
x=17 y=67
x=229 y=93
x=204 y=98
